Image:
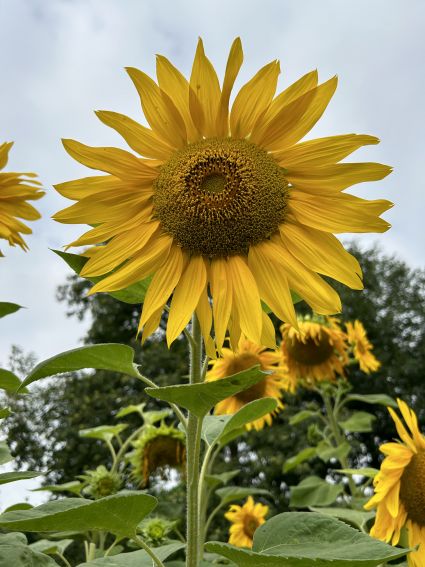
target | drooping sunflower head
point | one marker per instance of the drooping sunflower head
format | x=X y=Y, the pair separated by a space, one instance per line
x=244 y=357
x=101 y=482
x=362 y=347
x=399 y=496
x=223 y=207
x=157 y=451
x=245 y=520
x=16 y=189
x=316 y=352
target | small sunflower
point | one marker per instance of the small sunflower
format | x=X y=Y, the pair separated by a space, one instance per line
x=362 y=347
x=223 y=204
x=15 y=190
x=157 y=450
x=245 y=520
x=246 y=356
x=400 y=487
x=101 y=482
x=317 y=352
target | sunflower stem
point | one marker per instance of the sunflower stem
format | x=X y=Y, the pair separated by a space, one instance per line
x=194 y=427
x=148 y=550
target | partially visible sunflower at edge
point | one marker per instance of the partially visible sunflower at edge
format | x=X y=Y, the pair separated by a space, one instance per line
x=244 y=357
x=399 y=496
x=15 y=190
x=224 y=202
x=362 y=347
x=245 y=521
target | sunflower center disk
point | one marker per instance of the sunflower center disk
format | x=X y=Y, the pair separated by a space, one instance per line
x=251 y=523
x=412 y=488
x=218 y=196
x=244 y=361
x=311 y=351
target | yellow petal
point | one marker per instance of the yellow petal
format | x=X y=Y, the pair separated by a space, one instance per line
x=86 y=186
x=272 y=282
x=401 y=430
x=118 y=162
x=322 y=151
x=204 y=314
x=186 y=297
x=322 y=252
x=206 y=87
x=4 y=153
x=159 y=110
x=221 y=289
x=253 y=99
x=294 y=91
x=339 y=212
x=268 y=333
x=234 y=63
x=142 y=140
x=175 y=85
x=246 y=298
x=163 y=283
x=152 y=324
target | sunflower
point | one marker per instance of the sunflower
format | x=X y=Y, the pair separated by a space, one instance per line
x=15 y=190
x=156 y=451
x=317 y=352
x=400 y=487
x=223 y=204
x=245 y=520
x=362 y=347
x=246 y=356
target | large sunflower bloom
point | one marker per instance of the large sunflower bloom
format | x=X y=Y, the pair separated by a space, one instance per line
x=15 y=190
x=317 y=352
x=245 y=520
x=224 y=203
x=246 y=356
x=400 y=487
x=362 y=347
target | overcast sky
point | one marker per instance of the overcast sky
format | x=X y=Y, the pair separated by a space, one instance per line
x=62 y=59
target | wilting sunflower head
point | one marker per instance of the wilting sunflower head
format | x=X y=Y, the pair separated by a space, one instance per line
x=399 y=496
x=316 y=352
x=15 y=190
x=101 y=482
x=223 y=207
x=245 y=520
x=156 y=452
x=244 y=357
x=362 y=347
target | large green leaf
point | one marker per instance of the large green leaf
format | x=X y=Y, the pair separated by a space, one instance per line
x=17 y=475
x=132 y=294
x=381 y=399
x=103 y=432
x=109 y=356
x=10 y=382
x=216 y=426
x=327 y=452
x=306 y=539
x=7 y=308
x=304 y=455
x=119 y=514
x=314 y=491
x=51 y=547
x=14 y=552
x=358 y=422
x=200 y=398
x=136 y=558
x=356 y=518
x=232 y=493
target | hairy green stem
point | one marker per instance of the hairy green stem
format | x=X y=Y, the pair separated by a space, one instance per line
x=149 y=551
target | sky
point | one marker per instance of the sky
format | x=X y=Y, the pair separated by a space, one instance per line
x=62 y=59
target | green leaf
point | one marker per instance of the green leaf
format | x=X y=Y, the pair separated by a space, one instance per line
x=103 y=432
x=19 y=506
x=359 y=422
x=231 y=493
x=7 y=308
x=368 y=472
x=14 y=552
x=380 y=399
x=7 y=477
x=5 y=456
x=114 y=357
x=73 y=486
x=215 y=480
x=216 y=426
x=135 y=293
x=51 y=547
x=302 y=416
x=10 y=382
x=304 y=539
x=136 y=558
x=119 y=514
x=200 y=398
x=132 y=408
x=327 y=452
x=5 y=412
x=304 y=455
x=356 y=518
x=314 y=491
